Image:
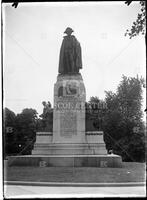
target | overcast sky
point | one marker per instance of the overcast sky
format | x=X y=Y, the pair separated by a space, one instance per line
x=33 y=35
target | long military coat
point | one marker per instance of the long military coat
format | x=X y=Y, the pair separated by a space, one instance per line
x=70 y=60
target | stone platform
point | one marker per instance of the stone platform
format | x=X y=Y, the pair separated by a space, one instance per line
x=69 y=149
x=66 y=161
x=46 y=153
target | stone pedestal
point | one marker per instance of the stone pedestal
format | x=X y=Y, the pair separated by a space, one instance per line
x=69 y=136
x=69 y=109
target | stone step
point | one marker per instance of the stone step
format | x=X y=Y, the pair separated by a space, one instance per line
x=69 y=145
x=69 y=149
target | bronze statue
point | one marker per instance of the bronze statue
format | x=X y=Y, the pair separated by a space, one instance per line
x=47 y=117
x=47 y=109
x=70 y=54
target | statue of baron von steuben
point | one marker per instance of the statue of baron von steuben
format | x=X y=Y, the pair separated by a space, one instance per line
x=65 y=141
x=69 y=95
x=70 y=60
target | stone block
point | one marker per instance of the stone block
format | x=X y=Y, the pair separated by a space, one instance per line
x=69 y=109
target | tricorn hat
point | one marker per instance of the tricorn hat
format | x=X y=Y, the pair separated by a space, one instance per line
x=68 y=30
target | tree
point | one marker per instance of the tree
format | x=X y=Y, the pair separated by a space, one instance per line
x=95 y=110
x=139 y=26
x=129 y=94
x=9 y=132
x=9 y=117
x=124 y=114
x=26 y=123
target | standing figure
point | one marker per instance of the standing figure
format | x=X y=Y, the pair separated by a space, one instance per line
x=47 y=117
x=70 y=54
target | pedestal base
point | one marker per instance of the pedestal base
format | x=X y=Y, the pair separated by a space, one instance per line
x=69 y=149
x=66 y=161
x=93 y=145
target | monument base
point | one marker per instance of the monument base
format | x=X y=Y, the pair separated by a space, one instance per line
x=48 y=154
x=93 y=145
x=66 y=161
x=69 y=149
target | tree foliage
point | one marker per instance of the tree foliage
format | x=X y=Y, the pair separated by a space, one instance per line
x=19 y=131
x=124 y=116
x=26 y=123
x=9 y=117
x=95 y=110
x=139 y=26
x=9 y=130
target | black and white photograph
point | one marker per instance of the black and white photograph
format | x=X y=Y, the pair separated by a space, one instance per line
x=73 y=99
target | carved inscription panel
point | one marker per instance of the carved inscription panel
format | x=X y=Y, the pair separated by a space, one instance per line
x=68 y=123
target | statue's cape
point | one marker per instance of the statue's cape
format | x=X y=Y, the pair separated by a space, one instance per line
x=61 y=65
x=77 y=49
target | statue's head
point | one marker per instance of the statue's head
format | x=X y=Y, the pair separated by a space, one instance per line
x=68 y=31
x=44 y=103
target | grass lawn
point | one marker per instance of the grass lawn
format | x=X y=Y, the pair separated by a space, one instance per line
x=131 y=172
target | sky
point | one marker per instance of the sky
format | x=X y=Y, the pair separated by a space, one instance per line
x=32 y=37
